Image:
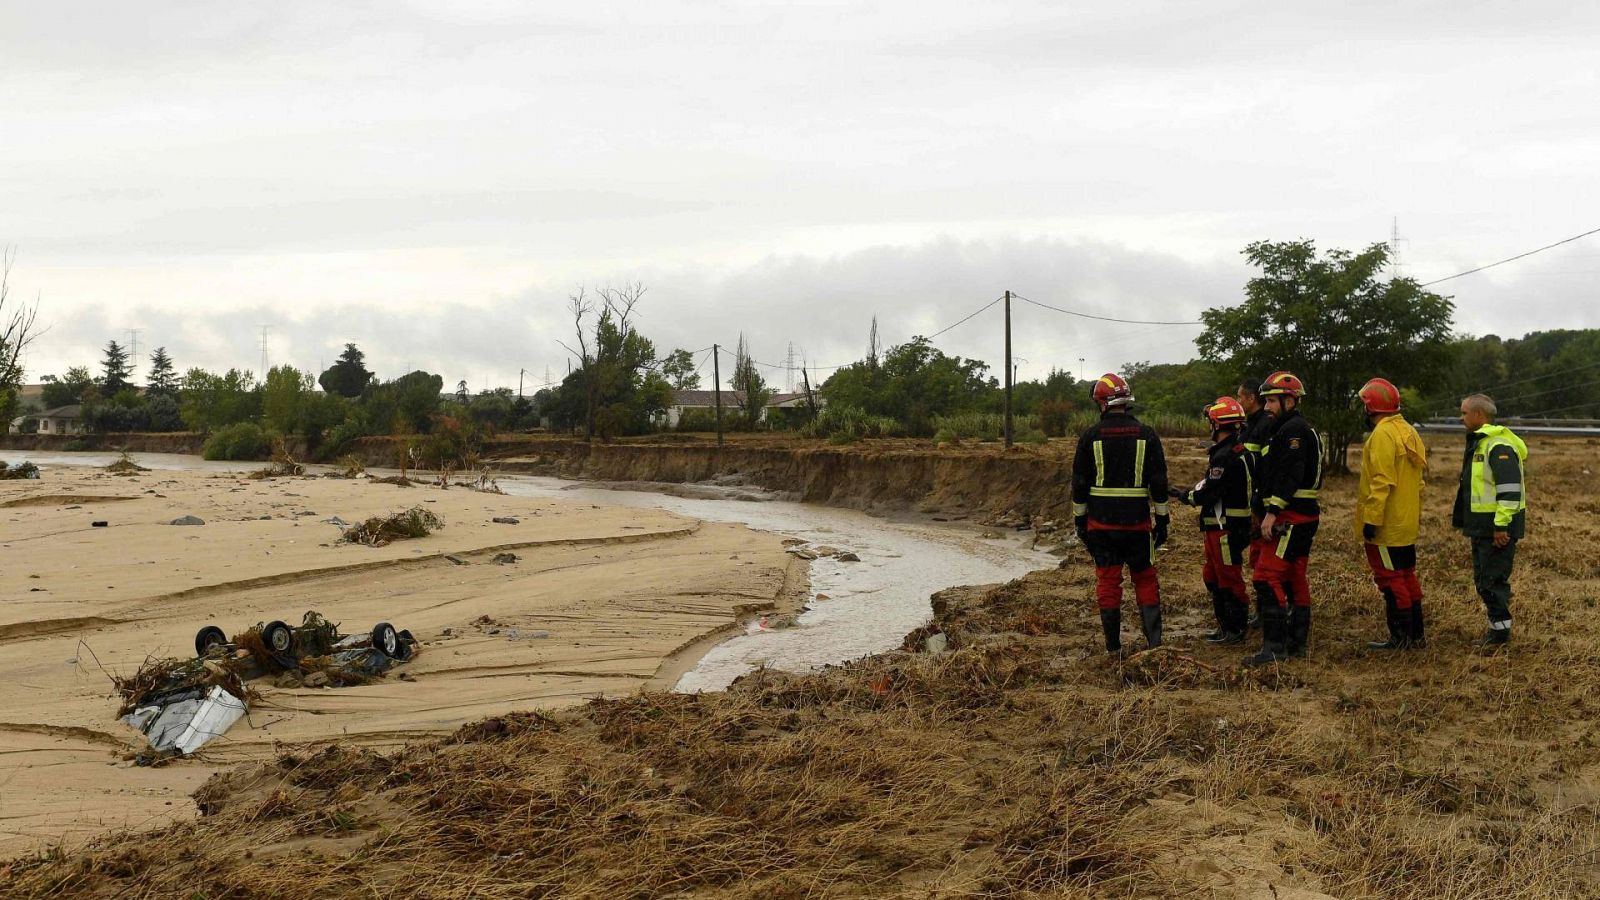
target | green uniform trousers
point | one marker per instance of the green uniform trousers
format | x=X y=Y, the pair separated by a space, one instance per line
x=1491 y=574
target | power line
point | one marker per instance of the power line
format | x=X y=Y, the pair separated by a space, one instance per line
x=1512 y=258
x=982 y=309
x=1083 y=315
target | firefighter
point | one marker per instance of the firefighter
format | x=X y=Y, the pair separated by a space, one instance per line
x=1223 y=496
x=1491 y=509
x=1290 y=478
x=1118 y=476
x=1257 y=431
x=1389 y=511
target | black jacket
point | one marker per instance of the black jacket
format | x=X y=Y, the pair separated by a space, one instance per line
x=1119 y=473
x=1291 y=468
x=1225 y=494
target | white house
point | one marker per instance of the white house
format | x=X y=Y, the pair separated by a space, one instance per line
x=61 y=420
x=683 y=401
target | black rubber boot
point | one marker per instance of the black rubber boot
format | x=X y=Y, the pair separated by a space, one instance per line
x=1274 y=629
x=1219 y=606
x=1399 y=626
x=1150 y=622
x=1299 y=630
x=1495 y=638
x=1238 y=617
x=1111 y=624
x=1414 y=627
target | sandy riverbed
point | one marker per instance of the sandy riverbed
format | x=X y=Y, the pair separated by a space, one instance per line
x=627 y=596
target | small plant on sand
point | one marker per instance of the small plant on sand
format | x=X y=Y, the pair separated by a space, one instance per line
x=22 y=470
x=124 y=464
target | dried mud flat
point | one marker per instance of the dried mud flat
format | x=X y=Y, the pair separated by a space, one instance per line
x=601 y=601
x=1021 y=762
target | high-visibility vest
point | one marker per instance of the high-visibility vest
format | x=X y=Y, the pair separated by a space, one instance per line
x=1489 y=495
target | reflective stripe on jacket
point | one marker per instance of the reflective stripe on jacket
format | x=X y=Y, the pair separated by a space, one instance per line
x=1390 y=492
x=1492 y=495
x=1119 y=473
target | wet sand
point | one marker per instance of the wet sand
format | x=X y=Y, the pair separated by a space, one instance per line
x=604 y=600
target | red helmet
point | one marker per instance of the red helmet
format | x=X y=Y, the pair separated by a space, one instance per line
x=1112 y=390
x=1380 y=396
x=1282 y=384
x=1225 y=413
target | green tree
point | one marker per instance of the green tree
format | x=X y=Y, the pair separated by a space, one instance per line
x=912 y=383
x=162 y=379
x=679 y=371
x=751 y=392
x=1331 y=321
x=282 y=396
x=617 y=385
x=348 y=376
x=68 y=389
x=416 y=397
x=115 y=368
x=212 y=401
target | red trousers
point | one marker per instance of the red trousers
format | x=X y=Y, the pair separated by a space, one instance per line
x=1394 y=569
x=1281 y=563
x=1114 y=548
x=1223 y=567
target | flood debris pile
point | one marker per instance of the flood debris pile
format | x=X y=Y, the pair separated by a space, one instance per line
x=378 y=531
x=124 y=465
x=23 y=470
x=180 y=704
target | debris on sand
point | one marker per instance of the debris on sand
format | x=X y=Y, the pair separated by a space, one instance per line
x=378 y=531
x=25 y=470
x=187 y=520
x=180 y=704
x=283 y=464
x=396 y=480
x=505 y=558
x=506 y=520
x=124 y=465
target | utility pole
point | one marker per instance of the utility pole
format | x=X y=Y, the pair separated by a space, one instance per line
x=1081 y=374
x=520 y=373
x=716 y=378
x=1009 y=377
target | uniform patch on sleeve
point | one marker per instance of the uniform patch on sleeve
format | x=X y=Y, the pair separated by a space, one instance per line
x=1294 y=443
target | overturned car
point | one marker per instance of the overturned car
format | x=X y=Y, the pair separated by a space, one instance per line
x=180 y=704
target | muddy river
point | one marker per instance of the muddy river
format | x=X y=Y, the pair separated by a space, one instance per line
x=855 y=608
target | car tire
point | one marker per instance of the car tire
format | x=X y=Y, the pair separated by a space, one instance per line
x=279 y=639
x=208 y=637
x=387 y=641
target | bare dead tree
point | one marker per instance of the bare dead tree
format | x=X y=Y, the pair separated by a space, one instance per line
x=580 y=306
x=17 y=330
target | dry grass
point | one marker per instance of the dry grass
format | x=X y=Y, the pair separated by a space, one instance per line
x=1023 y=762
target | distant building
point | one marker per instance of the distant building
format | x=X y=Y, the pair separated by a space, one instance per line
x=61 y=420
x=706 y=401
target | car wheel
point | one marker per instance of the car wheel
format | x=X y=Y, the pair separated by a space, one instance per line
x=388 y=642
x=279 y=638
x=208 y=637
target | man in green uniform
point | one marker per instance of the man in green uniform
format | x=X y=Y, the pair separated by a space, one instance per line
x=1491 y=509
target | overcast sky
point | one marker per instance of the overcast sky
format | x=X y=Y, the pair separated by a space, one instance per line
x=432 y=180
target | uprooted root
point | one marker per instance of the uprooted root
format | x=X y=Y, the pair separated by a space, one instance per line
x=124 y=465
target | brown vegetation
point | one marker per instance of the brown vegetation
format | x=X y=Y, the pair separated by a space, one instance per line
x=1020 y=762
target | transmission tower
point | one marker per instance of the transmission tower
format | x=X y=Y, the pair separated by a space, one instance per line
x=1394 y=247
x=788 y=370
x=133 y=353
x=264 y=330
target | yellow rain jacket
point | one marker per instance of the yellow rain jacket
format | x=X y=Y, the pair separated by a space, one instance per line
x=1390 y=493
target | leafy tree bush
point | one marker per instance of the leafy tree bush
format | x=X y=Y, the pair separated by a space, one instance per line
x=1331 y=321
x=213 y=401
x=67 y=390
x=241 y=440
x=348 y=377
